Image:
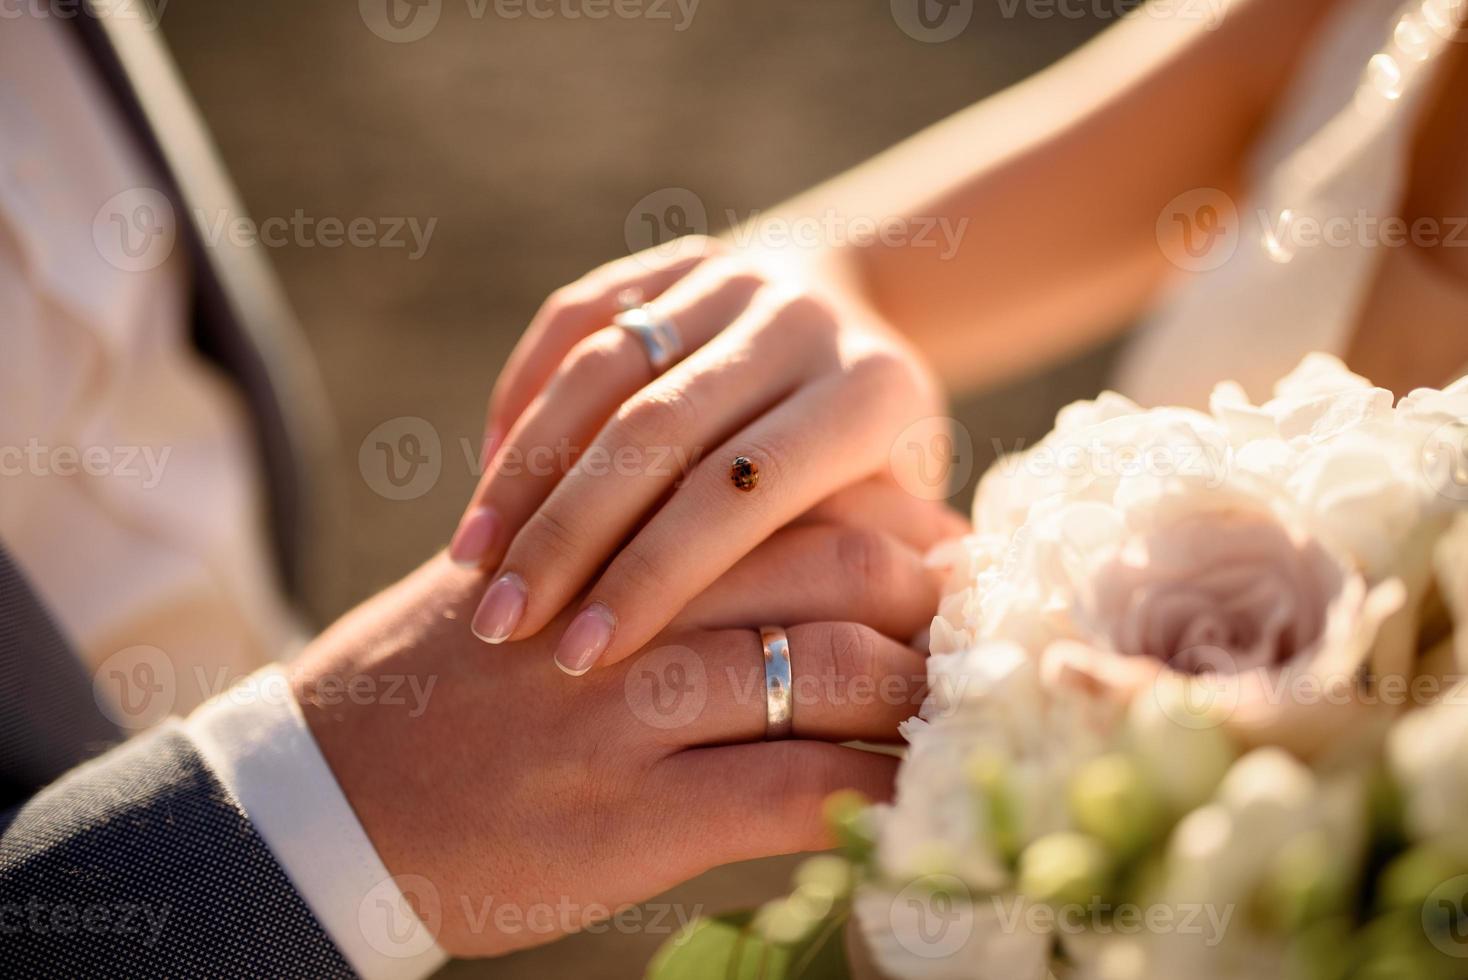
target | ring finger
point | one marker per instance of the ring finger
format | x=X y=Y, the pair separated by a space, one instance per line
x=601 y=372
x=847 y=682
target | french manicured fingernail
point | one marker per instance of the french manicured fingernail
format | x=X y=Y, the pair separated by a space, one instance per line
x=474 y=537
x=500 y=610
x=586 y=639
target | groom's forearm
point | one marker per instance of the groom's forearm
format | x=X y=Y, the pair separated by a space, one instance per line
x=1026 y=226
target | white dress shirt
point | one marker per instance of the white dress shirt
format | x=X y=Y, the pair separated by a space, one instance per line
x=128 y=485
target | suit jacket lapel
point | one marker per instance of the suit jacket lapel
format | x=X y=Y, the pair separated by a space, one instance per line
x=242 y=318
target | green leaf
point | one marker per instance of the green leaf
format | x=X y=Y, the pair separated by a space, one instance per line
x=729 y=947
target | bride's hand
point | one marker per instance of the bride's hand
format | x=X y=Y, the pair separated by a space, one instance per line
x=603 y=470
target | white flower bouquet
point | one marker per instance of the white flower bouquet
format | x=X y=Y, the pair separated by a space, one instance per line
x=1194 y=711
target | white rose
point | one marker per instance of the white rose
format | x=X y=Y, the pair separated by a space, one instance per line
x=1427 y=751
x=1282 y=547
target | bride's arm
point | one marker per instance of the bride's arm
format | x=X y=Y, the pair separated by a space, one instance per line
x=1051 y=189
x=807 y=378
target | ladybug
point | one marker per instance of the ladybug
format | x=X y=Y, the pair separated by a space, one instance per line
x=744 y=473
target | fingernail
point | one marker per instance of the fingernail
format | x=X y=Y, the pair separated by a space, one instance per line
x=586 y=639
x=500 y=610
x=474 y=537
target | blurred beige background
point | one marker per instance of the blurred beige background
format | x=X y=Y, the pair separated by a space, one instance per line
x=531 y=140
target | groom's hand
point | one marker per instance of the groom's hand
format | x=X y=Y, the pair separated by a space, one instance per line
x=515 y=790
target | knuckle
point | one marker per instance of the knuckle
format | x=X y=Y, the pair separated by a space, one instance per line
x=867 y=560
x=879 y=366
x=566 y=304
x=700 y=247
x=884 y=371
x=847 y=651
x=593 y=358
x=547 y=539
x=733 y=272
x=656 y=419
x=783 y=313
x=635 y=572
x=796 y=308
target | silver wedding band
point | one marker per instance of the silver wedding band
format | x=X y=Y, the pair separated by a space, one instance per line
x=658 y=334
x=779 y=703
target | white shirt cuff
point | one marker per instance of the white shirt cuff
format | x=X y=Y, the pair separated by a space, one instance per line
x=255 y=739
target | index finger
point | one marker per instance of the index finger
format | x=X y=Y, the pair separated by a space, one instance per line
x=573 y=313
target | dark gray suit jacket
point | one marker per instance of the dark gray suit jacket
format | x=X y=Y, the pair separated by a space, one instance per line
x=131 y=859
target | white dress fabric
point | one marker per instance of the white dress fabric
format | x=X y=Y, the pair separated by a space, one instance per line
x=1336 y=154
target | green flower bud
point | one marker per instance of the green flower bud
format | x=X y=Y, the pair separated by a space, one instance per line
x=1111 y=800
x=1307 y=883
x=1409 y=880
x=988 y=773
x=826 y=873
x=846 y=816
x=1321 y=951
x=786 y=922
x=1177 y=737
x=1065 y=869
x=1394 y=947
